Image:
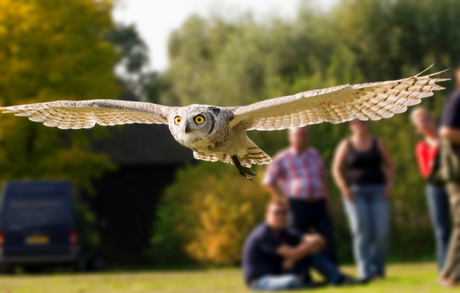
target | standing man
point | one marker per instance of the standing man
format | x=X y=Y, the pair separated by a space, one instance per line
x=298 y=173
x=450 y=130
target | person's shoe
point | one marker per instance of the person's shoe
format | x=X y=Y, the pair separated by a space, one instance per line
x=447 y=282
x=313 y=285
x=350 y=281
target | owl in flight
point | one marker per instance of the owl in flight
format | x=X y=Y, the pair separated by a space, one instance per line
x=219 y=133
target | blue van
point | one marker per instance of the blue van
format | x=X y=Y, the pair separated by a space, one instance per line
x=37 y=224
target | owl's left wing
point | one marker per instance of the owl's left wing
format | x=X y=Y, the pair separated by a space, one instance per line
x=85 y=114
x=338 y=104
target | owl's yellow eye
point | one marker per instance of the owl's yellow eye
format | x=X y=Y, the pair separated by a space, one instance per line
x=199 y=119
x=177 y=120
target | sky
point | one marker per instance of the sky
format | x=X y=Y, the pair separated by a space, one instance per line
x=155 y=19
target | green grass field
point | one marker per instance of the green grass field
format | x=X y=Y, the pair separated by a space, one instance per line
x=404 y=278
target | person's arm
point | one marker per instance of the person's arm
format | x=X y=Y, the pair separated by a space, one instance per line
x=337 y=166
x=450 y=120
x=271 y=178
x=310 y=244
x=274 y=190
x=451 y=134
x=419 y=156
x=389 y=168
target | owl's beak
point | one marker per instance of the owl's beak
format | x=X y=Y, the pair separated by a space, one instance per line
x=187 y=128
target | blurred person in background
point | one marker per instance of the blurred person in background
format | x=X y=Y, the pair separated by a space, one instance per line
x=366 y=190
x=299 y=173
x=438 y=203
x=278 y=258
x=450 y=130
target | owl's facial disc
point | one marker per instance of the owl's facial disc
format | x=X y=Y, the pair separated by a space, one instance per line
x=192 y=124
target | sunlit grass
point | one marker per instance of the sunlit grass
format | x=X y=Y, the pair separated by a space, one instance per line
x=404 y=278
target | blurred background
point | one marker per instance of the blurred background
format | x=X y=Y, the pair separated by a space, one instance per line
x=152 y=204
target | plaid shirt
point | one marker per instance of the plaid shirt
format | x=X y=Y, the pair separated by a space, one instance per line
x=300 y=176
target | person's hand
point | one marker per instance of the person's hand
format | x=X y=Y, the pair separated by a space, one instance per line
x=387 y=191
x=288 y=264
x=349 y=194
x=315 y=243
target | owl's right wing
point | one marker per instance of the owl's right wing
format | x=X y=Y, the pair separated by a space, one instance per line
x=85 y=114
x=338 y=104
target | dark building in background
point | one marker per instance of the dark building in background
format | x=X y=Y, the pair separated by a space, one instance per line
x=147 y=157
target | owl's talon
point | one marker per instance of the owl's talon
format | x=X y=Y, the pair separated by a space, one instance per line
x=243 y=170
x=249 y=171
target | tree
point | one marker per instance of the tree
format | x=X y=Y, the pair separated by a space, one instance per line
x=133 y=64
x=51 y=50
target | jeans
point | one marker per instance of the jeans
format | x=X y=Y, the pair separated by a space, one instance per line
x=315 y=215
x=278 y=283
x=368 y=217
x=438 y=205
x=291 y=279
x=452 y=263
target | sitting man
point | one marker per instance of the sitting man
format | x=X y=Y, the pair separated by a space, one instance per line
x=277 y=258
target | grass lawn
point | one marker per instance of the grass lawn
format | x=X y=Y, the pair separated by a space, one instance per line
x=404 y=278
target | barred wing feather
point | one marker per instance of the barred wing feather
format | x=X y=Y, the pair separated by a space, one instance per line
x=85 y=114
x=368 y=101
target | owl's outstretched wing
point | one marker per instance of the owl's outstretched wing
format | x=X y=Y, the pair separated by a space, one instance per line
x=85 y=114
x=365 y=101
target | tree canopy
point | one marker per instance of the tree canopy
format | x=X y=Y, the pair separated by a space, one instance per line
x=51 y=50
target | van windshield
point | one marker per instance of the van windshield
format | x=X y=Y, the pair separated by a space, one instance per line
x=32 y=210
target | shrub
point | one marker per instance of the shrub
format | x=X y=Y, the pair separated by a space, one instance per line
x=206 y=215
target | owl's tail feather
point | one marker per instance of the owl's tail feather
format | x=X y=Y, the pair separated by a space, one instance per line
x=205 y=157
x=254 y=155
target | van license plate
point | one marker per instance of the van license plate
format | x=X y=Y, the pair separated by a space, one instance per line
x=37 y=240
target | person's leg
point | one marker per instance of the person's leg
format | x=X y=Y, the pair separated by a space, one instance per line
x=323 y=226
x=277 y=283
x=325 y=267
x=438 y=206
x=358 y=218
x=451 y=270
x=299 y=216
x=380 y=226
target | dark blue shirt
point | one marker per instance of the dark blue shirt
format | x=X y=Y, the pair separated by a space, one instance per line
x=259 y=252
x=451 y=113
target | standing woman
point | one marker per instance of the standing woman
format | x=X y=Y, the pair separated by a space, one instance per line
x=438 y=202
x=366 y=191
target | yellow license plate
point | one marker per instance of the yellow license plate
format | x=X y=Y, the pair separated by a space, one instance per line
x=37 y=240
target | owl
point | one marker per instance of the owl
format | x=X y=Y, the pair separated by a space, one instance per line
x=219 y=133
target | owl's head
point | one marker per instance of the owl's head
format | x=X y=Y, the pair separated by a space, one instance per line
x=194 y=122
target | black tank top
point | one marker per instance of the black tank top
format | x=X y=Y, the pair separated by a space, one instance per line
x=364 y=168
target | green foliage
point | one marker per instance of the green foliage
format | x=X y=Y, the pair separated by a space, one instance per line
x=133 y=62
x=204 y=216
x=88 y=235
x=50 y=50
x=241 y=62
